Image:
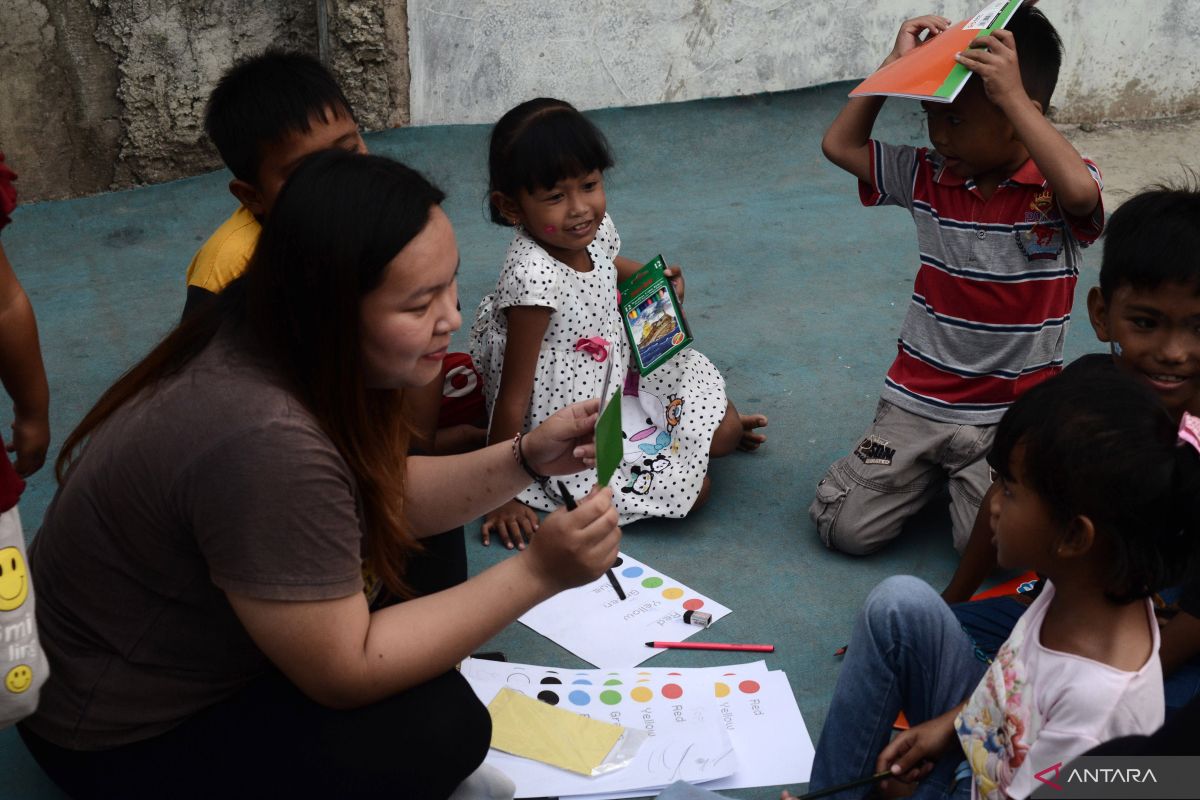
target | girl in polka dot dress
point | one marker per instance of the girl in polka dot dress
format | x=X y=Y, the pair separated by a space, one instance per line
x=543 y=338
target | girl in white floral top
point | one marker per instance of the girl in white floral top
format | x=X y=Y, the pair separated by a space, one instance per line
x=1101 y=495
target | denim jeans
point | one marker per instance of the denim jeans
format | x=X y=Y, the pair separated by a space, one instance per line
x=989 y=622
x=907 y=652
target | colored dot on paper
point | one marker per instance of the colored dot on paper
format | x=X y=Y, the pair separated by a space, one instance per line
x=652 y=583
x=581 y=682
x=672 y=691
x=632 y=572
x=550 y=679
x=579 y=698
x=674 y=593
x=749 y=687
x=609 y=697
x=721 y=689
x=548 y=697
x=694 y=604
x=518 y=677
x=641 y=694
x=618 y=562
x=612 y=682
x=674 y=673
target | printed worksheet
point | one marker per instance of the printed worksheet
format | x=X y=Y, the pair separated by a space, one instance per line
x=696 y=751
x=557 y=681
x=756 y=709
x=598 y=626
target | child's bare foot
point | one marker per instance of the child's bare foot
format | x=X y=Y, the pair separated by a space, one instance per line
x=751 y=440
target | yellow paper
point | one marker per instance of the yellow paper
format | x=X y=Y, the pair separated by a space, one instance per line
x=532 y=729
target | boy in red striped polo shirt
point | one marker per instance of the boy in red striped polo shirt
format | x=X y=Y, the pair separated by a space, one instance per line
x=1002 y=204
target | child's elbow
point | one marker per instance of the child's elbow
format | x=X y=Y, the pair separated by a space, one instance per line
x=829 y=147
x=1081 y=204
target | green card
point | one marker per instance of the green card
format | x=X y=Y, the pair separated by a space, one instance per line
x=609 y=445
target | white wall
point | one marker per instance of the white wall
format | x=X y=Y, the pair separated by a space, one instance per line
x=473 y=59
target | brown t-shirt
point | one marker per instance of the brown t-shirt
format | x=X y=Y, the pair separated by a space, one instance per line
x=216 y=480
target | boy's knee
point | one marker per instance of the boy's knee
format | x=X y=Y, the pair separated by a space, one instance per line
x=842 y=513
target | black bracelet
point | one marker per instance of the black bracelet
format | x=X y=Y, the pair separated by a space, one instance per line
x=519 y=456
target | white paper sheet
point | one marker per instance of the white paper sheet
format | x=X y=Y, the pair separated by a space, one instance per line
x=595 y=624
x=523 y=675
x=696 y=752
x=756 y=708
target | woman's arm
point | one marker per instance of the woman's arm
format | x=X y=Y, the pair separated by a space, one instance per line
x=343 y=656
x=481 y=480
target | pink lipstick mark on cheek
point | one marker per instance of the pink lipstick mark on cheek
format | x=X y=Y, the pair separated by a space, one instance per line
x=549 y=229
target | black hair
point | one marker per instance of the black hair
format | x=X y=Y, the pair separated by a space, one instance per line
x=339 y=221
x=260 y=99
x=537 y=144
x=1039 y=53
x=1100 y=444
x=1154 y=238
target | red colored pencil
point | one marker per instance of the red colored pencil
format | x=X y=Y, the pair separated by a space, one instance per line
x=749 y=648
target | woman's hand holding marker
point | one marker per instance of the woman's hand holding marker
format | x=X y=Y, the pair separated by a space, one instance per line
x=576 y=547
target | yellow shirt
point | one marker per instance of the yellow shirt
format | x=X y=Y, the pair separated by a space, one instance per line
x=225 y=255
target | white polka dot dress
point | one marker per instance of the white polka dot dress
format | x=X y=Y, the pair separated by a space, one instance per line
x=668 y=417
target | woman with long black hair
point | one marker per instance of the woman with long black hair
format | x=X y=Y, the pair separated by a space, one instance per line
x=231 y=506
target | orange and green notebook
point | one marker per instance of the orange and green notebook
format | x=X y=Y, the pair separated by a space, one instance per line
x=929 y=71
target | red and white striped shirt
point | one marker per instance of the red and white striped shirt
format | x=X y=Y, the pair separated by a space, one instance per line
x=992 y=299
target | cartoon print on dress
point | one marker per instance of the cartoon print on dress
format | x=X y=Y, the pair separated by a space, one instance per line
x=674 y=412
x=1045 y=239
x=644 y=426
x=643 y=475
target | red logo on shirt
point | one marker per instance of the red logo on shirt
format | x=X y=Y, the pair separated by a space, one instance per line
x=1050 y=781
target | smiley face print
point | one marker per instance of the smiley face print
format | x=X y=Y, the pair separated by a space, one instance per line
x=14 y=583
x=19 y=678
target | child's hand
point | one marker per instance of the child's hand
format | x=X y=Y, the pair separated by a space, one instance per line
x=910 y=32
x=674 y=274
x=30 y=440
x=514 y=522
x=912 y=753
x=994 y=59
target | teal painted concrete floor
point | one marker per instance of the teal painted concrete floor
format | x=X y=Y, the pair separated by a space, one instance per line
x=793 y=290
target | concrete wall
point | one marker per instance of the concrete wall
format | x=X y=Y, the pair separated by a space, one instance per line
x=473 y=59
x=104 y=94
